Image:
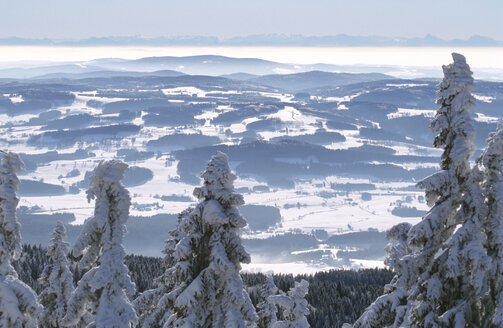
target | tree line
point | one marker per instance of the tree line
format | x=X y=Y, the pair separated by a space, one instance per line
x=335 y=296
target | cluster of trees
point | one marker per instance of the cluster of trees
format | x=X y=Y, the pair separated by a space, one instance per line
x=335 y=296
x=449 y=266
x=200 y=285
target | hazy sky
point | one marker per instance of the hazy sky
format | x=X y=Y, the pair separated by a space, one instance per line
x=75 y=19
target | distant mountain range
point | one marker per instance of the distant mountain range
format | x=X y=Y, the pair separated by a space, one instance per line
x=339 y=40
x=315 y=79
x=235 y=68
x=244 y=69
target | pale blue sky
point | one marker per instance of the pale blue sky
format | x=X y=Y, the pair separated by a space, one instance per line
x=75 y=19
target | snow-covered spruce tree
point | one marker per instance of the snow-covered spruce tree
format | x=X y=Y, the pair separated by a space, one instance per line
x=444 y=189
x=451 y=268
x=267 y=310
x=155 y=306
x=295 y=307
x=57 y=281
x=492 y=160
x=208 y=290
x=460 y=269
x=390 y=309
x=18 y=303
x=104 y=289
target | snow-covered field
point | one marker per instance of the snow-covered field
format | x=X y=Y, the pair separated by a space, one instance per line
x=340 y=128
x=308 y=210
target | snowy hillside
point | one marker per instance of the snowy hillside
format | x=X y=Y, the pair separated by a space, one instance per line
x=326 y=162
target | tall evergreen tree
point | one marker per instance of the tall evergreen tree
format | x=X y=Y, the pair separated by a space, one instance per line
x=450 y=267
x=446 y=263
x=104 y=289
x=57 y=281
x=207 y=288
x=18 y=303
x=444 y=189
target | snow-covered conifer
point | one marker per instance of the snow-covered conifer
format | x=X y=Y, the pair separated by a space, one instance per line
x=459 y=271
x=18 y=303
x=444 y=189
x=57 y=281
x=451 y=267
x=294 y=305
x=267 y=310
x=492 y=159
x=389 y=310
x=207 y=288
x=442 y=272
x=104 y=289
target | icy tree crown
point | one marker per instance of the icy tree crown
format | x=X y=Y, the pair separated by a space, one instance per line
x=218 y=182
x=57 y=246
x=453 y=120
x=104 y=182
x=104 y=175
x=456 y=132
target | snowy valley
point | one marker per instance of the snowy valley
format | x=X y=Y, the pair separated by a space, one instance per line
x=325 y=161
